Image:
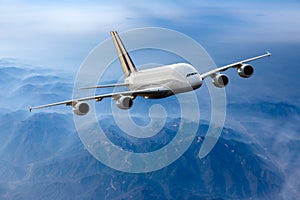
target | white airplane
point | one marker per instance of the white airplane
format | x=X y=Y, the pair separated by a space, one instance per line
x=155 y=83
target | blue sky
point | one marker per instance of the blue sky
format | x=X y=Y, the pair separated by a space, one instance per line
x=60 y=34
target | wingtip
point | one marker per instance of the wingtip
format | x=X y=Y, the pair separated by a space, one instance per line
x=30 y=109
x=268 y=53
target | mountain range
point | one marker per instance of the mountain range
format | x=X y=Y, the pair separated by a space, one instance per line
x=42 y=157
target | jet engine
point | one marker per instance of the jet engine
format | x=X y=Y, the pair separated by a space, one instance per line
x=81 y=108
x=245 y=71
x=220 y=80
x=124 y=102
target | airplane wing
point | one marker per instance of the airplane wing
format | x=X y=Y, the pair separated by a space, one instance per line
x=142 y=92
x=233 y=65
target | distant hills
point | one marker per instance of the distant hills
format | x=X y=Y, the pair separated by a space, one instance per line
x=25 y=85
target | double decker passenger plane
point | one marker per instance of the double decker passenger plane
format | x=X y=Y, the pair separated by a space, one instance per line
x=155 y=83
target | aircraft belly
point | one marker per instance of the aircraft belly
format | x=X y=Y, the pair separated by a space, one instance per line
x=160 y=95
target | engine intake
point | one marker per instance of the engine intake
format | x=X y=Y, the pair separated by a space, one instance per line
x=220 y=80
x=81 y=108
x=124 y=102
x=245 y=71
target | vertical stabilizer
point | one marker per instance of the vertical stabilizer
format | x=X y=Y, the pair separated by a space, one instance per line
x=125 y=60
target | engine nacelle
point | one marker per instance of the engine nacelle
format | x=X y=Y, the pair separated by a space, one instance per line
x=245 y=71
x=124 y=102
x=81 y=108
x=220 y=80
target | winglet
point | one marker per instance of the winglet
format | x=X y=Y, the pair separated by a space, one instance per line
x=268 y=53
x=30 y=109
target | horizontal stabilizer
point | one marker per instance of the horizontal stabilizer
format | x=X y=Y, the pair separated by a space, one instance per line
x=105 y=86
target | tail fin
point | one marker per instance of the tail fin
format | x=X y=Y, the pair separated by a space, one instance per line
x=125 y=60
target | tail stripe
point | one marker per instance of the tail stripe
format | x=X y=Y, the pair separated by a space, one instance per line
x=125 y=60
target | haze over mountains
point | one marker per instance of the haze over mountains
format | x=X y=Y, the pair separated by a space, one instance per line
x=42 y=157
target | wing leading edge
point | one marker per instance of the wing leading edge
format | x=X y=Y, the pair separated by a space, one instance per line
x=233 y=65
x=134 y=93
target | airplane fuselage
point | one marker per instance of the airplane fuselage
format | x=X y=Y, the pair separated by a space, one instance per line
x=178 y=78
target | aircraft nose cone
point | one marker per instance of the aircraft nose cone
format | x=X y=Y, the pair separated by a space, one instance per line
x=198 y=82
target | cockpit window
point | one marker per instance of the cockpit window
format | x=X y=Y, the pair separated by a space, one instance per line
x=191 y=74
